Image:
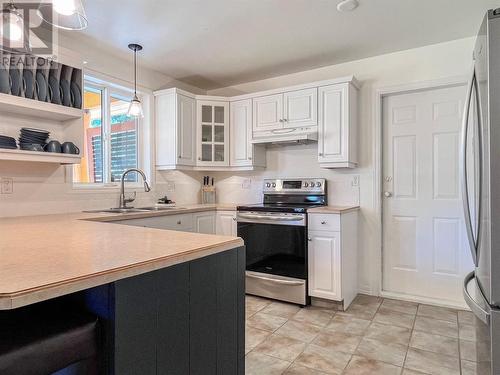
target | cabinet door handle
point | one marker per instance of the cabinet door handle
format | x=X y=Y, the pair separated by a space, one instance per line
x=320 y=154
x=323 y=222
x=179 y=222
x=234 y=219
x=310 y=239
x=249 y=158
x=199 y=158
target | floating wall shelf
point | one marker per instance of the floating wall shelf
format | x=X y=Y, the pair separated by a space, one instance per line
x=39 y=157
x=35 y=108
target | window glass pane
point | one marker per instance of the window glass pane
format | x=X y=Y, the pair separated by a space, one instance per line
x=219 y=133
x=219 y=115
x=123 y=140
x=206 y=133
x=219 y=153
x=206 y=113
x=91 y=168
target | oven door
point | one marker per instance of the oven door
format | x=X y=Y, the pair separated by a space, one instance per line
x=276 y=255
x=276 y=243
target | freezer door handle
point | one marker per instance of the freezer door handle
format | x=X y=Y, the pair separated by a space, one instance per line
x=478 y=311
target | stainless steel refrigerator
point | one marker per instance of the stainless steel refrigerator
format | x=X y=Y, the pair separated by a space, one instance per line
x=481 y=196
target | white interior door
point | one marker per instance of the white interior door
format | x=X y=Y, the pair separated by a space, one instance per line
x=424 y=243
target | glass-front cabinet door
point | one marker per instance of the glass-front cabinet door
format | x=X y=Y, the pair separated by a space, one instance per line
x=213 y=133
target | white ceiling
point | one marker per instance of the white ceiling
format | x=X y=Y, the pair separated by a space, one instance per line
x=216 y=43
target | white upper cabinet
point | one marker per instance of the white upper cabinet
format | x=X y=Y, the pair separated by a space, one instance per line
x=337 y=131
x=175 y=130
x=268 y=113
x=243 y=152
x=213 y=133
x=285 y=113
x=300 y=108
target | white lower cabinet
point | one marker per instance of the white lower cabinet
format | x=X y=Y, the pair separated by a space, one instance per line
x=204 y=222
x=225 y=223
x=325 y=265
x=332 y=256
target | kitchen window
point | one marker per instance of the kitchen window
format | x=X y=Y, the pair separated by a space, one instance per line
x=111 y=141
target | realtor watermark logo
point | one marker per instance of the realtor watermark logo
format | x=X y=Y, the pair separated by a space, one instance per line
x=23 y=31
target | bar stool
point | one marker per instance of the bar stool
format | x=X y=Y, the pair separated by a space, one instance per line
x=47 y=337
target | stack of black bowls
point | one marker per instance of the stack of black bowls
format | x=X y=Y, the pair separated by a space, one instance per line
x=7 y=142
x=33 y=139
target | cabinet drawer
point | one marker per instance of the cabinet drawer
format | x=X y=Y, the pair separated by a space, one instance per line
x=328 y=222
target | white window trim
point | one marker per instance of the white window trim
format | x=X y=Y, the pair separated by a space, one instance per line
x=108 y=89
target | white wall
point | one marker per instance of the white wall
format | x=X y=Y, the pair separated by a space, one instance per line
x=433 y=62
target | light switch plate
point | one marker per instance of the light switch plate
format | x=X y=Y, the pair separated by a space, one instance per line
x=7 y=185
x=170 y=186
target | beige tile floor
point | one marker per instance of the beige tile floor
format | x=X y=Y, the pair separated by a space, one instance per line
x=374 y=336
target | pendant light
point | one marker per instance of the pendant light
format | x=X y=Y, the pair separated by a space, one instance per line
x=135 y=108
x=64 y=14
x=12 y=27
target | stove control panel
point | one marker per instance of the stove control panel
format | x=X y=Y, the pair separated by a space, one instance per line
x=295 y=186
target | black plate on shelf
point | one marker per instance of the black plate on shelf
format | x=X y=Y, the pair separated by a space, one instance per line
x=35 y=130
x=76 y=94
x=66 y=92
x=56 y=90
x=8 y=147
x=31 y=147
x=28 y=84
x=4 y=80
x=41 y=87
x=15 y=81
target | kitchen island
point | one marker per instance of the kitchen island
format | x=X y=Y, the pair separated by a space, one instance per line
x=169 y=302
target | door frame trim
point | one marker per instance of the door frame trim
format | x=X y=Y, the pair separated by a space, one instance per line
x=379 y=93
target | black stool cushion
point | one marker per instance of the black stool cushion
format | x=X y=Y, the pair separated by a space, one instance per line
x=44 y=338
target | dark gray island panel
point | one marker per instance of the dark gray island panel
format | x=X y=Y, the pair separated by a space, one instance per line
x=184 y=319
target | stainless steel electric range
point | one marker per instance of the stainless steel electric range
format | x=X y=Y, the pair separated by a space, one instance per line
x=275 y=235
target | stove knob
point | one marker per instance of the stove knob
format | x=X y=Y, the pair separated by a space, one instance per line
x=268 y=185
x=318 y=184
x=274 y=185
x=312 y=184
x=306 y=184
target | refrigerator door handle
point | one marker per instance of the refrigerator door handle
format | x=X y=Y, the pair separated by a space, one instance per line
x=478 y=311
x=465 y=187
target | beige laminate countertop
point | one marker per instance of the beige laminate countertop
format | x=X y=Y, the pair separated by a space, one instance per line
x=333 y=209
x=43 y=257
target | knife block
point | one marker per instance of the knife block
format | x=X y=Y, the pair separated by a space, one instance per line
x=208 y=194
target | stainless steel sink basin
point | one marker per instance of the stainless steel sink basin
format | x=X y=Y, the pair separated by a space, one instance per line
x=159 y=208
x=118 y=210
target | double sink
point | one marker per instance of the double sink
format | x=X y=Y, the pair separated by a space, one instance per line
x=131 y=210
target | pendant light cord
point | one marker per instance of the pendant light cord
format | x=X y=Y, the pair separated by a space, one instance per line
x=135 y=72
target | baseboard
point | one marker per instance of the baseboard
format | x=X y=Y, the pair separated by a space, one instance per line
x=425 y=300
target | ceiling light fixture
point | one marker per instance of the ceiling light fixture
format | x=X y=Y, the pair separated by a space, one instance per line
x=12 y=27
x=135 y=108
x=64 y=14
x=347 y=5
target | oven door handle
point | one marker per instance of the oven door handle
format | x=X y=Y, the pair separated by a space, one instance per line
x=276 y=281
x=277 y=218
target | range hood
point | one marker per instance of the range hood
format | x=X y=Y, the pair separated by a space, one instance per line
x=287 y=139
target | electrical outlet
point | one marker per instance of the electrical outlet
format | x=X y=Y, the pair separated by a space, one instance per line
x=170 y=186
x=7 y=185
x=355 y=181
x=247 y=184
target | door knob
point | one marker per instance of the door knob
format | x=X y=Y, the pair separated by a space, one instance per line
x=387 y=194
